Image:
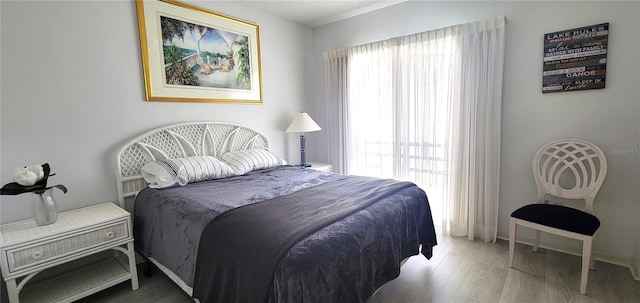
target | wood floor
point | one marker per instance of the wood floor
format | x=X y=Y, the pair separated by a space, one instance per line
x=465 y=271
x=460 y=271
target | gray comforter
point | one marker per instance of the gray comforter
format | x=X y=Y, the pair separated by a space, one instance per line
x=344 y=262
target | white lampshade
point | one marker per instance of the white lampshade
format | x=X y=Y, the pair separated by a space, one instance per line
x=303 y=124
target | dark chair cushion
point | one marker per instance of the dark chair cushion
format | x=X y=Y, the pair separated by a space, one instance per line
x=561 y=217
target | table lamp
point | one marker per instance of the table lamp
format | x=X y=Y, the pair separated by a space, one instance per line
x=303 y=124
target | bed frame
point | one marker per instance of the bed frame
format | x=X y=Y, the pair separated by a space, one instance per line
x=175 y=141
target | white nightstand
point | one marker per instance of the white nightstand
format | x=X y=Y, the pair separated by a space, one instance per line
x=321 y=166
x=27 y=249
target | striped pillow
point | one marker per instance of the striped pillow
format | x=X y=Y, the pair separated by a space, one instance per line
x=244 y=161
x=181 y=171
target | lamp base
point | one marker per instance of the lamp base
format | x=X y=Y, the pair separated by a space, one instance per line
x=303 y=152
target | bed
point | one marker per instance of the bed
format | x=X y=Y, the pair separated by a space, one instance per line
x=270 y=232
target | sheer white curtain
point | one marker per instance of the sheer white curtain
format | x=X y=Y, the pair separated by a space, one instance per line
x=473 y=209
x=337 y=89
x=425 y=108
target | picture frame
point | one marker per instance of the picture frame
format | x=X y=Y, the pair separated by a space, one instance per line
x=190 y=54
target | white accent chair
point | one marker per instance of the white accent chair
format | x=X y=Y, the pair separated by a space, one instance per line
x=568 y=169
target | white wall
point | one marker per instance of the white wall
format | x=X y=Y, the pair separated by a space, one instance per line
x=608 y=117
x=72 y=91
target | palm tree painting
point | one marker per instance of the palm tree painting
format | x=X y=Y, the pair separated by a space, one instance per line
x=198 y=55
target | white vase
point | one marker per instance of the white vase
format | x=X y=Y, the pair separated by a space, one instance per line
x=43 y=207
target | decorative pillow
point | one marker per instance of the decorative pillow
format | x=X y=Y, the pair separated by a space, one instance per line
x=181 y=171
x=244 y=161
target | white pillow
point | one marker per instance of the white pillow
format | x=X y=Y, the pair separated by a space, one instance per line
x=181 y=171
x=244 y=161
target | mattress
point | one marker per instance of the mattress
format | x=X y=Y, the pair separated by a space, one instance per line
x=343 y=262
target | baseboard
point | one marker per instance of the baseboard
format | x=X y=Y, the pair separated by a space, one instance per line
x=632 y=264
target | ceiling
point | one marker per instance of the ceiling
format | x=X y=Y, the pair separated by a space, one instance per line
x=318 y=12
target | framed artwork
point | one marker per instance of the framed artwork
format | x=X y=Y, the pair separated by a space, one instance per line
x=575 y=59
x=193 y=55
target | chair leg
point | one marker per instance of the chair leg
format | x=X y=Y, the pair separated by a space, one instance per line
x=586 y=260
x=592 y=262
x=512 y=240
x=536 y=241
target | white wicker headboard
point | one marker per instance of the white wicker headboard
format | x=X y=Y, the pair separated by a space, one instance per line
x=179 y=140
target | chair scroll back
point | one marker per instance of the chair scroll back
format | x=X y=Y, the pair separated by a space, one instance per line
x=570 y=169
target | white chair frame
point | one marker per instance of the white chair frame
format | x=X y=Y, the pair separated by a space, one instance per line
x=588 y=165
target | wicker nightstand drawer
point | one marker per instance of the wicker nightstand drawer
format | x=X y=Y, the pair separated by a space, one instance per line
x=43 y=252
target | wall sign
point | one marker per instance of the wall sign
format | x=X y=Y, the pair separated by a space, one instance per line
x=575 y=59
